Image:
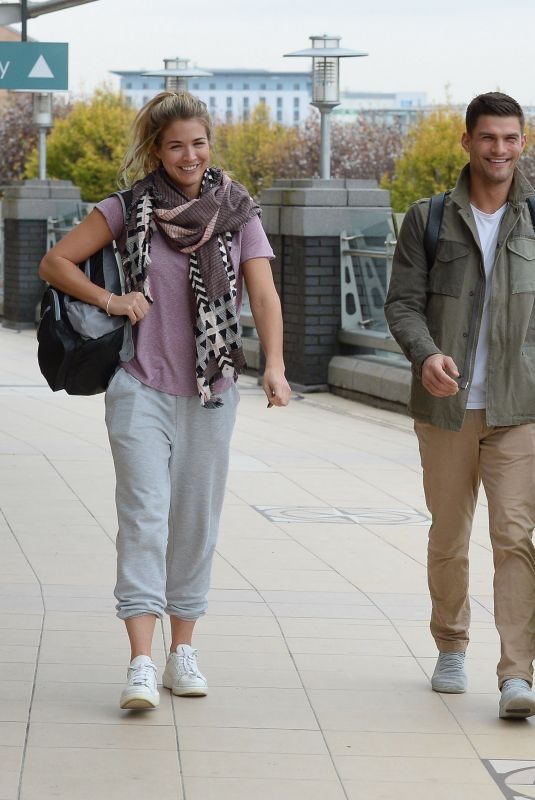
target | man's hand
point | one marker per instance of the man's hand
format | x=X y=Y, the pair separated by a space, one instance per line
x=435 y=378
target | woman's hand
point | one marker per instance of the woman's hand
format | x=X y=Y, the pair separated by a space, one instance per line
x=276 y=387
x=133 y=305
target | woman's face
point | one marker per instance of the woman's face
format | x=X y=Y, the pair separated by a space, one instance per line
x=185 y=153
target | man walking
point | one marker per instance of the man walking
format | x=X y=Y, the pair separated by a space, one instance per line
x=466 y=323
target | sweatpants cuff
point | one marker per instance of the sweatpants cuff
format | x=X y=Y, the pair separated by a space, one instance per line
x=188 y=615
x=129 y=613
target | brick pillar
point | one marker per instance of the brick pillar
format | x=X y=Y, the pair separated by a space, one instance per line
x=27 y=206
x=304 y=219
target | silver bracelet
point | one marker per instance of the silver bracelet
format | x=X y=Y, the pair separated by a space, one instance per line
x=108 y=304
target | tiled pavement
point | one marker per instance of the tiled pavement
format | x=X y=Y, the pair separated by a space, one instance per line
x=316 y=644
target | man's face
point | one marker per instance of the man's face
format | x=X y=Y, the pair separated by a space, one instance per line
x=494 y=147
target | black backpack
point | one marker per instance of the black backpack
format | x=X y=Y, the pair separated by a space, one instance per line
x=79 y=345
x=434 y=222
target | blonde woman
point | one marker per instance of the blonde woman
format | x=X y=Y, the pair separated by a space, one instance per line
x=190 y=237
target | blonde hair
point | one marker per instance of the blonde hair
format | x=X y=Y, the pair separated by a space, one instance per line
x=148 y=127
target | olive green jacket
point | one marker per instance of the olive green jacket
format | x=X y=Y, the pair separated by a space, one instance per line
x=439 y=310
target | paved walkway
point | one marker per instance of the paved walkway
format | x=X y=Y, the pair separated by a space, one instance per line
x=316 y=644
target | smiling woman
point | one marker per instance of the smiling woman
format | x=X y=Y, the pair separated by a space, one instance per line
x=190 y=237
x=185 y=154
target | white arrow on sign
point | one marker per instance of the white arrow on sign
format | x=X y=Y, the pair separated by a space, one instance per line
x=40 y=69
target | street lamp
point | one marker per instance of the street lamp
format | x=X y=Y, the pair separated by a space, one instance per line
x=326 y=54
x=176 y=72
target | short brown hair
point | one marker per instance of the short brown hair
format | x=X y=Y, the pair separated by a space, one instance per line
x=495 y=104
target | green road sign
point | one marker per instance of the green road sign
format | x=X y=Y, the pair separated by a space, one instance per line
x=34 y=66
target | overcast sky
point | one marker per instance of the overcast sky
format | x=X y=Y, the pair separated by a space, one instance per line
x=461 y=47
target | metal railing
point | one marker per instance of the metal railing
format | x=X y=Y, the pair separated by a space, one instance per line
x=57 y=227
x=365 y=273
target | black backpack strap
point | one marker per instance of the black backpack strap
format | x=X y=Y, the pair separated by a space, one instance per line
x=432 y=227
x=531 y=205
x=125 y=196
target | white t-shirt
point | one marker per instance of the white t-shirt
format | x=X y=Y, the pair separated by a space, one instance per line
x=488 y=226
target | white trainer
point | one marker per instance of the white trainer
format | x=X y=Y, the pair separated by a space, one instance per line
x=182 y=675
x=141 y=690
x=449 y=675
x=517 y=700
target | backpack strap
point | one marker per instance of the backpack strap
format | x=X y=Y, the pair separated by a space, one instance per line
x=432 y=227
x=531 y=205
x=125 y=197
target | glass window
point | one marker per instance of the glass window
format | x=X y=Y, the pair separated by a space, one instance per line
x=145 y=85
x=229 y=86
x=296 y=102
x=246 y=114
x=246 y=102
x=279 y=102
x=296 y=116
x=262 y=100
x=229 y=102
x=212 y=102
x=263 y=87
x=212 y=87
x=246 y=86
x=279 y=116
x=128 y=84
x=279 y=87
x=297 y=87
x=228 y=116
x=196 y=85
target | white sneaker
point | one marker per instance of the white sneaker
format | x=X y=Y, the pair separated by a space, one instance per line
x=141 y=690
x=449 y=675
x=517 y=700
x=182 y=674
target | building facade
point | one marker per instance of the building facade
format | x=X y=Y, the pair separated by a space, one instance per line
x=232 y=94
x=390 y=108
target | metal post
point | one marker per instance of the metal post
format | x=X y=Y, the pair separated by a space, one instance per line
x=42 y=154
x=24 y=20
x=325 y=151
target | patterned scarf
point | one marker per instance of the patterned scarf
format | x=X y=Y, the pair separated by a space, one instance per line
x=203 y=229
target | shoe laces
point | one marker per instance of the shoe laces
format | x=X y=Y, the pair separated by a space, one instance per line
x=188 y=662
x=451 y=662
x=142 y=674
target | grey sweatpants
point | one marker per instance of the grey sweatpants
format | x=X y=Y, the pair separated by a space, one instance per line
x=171 y=464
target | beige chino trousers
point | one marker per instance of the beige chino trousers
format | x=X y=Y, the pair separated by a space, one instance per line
x=454 y=464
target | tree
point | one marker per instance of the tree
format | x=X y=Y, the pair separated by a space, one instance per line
x=18 y=134
x=257 y=150
x=87 y=146
x=527 y=160
x=431 y=160
x=359 y=149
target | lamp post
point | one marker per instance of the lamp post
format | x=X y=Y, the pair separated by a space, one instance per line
x=42 y=118
x=326 y=54
x=176 y=72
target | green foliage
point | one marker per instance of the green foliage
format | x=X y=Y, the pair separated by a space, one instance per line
x=431 y=160
x=87 y=146
x=256 y=151
x=18 y=134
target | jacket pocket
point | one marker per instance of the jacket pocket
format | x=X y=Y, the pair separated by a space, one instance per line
x=522 y=264
x=447 y=274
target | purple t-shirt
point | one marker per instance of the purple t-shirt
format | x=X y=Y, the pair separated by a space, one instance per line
x=164 y=340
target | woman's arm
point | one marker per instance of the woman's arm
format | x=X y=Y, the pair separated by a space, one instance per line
x=266 y=309
x=59 y=268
